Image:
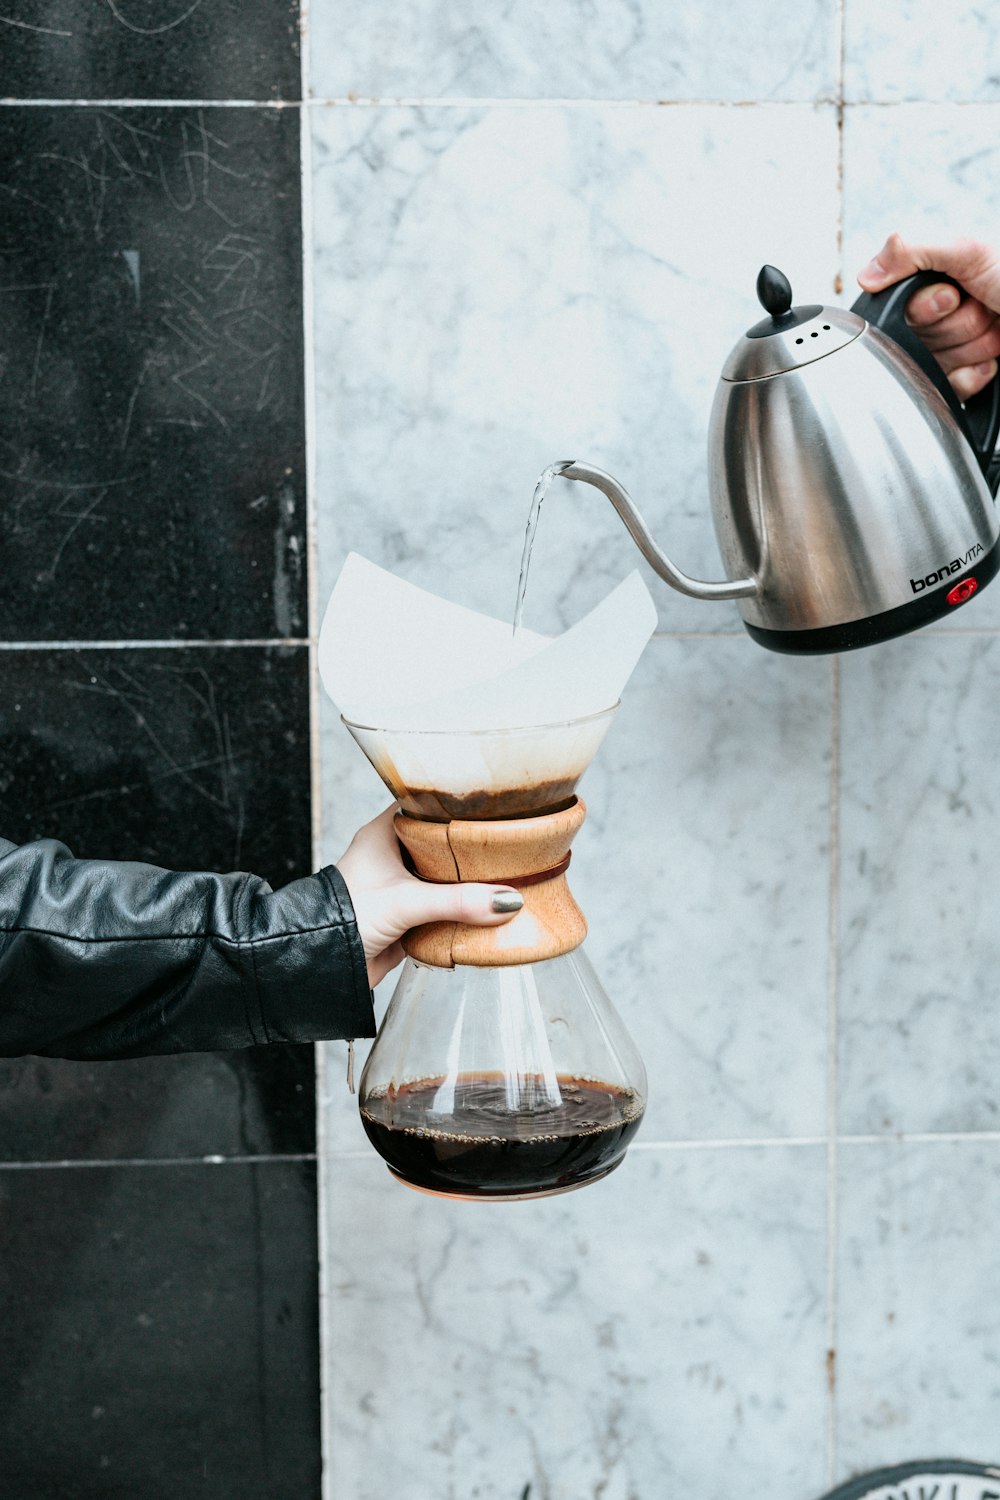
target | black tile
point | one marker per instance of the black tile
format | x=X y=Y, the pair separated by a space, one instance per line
x=260 y=1101
x=186 y=757
x=160 y=1333
x=193 y=758
x=151 y=403
x=150 y=49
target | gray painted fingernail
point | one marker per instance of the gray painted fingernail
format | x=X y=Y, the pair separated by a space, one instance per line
x=507 y=901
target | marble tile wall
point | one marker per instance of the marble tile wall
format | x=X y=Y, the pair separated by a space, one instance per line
x=534 y=233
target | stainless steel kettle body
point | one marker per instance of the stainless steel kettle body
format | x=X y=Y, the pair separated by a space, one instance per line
x=850 y=490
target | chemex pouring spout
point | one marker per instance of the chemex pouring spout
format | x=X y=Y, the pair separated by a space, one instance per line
x=695 y=588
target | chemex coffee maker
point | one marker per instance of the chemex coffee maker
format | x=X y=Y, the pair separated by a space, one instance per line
x=501 y=1070
x=852 y=492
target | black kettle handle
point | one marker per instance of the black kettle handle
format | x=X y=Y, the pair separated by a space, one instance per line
x=979 y=418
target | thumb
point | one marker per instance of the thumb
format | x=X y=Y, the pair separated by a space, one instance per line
x=968 y=261
x=477 y=904
x=894 y=261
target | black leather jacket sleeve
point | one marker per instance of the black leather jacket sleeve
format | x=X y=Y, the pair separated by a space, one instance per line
x=107 y=959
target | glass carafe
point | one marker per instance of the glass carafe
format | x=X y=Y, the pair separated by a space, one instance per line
x=501 y=1069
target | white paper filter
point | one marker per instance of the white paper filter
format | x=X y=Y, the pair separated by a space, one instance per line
x=444 y=691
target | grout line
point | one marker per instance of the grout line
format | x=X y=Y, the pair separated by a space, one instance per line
x=832 y=1076
x=495 y=101
x=839 y=279
x=940 y=633
x=902 y=1138
x=311 y=640
x=321 y=1051
x=985 y=632
x=309 y=405
x=698 y=635
x=934 y=104
x=833 y=916
x=768 y=1143
x=158 y=1161
x=430 y=101
x=471 y=101
x=168 y=645
x=923 y=1138
x=895 y=1138
x=736 y=1144
x=11 y=102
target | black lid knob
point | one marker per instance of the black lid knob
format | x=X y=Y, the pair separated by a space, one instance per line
x=774 y=291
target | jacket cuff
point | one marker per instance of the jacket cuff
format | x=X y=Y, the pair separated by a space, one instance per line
x=312 y=977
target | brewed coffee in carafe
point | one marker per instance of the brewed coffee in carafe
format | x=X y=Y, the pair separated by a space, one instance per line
x=487 y=1148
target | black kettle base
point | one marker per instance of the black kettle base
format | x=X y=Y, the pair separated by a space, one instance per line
x=940 y=600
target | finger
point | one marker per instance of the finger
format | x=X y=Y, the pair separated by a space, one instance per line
x=978 y=352
x=419 y=901
x=969 y=322
x=970 y=379
x=932 y=303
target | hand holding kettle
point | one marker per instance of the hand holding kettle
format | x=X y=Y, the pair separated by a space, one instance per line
x=852 y=455
x=963 y=334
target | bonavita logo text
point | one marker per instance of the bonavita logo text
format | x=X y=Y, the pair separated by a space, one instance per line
x=955 y=566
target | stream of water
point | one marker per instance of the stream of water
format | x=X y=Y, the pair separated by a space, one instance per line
x=541 y=490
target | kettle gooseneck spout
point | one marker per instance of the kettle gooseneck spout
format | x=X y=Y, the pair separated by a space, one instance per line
x=737 y=588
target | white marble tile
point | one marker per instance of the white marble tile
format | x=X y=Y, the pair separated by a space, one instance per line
x=933 y=173
x=919 y=1325
x=659 y=1333
x=919 y=936
x=930 y=171
x=573 y=49
x=498 y=288
x=917 y=49
x=703 y=869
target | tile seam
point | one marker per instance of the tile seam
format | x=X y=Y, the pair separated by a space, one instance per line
x=320 y=1050
x=434 y=101
x=494 y=101
x=417 y=101
x=309 y=407
x=768 y=1143
x=10 y=101
x=832 y=1268
x=156 y=1161
x=149 y=645
x=832 y=1080
x=985 y=632
x=744 y=1143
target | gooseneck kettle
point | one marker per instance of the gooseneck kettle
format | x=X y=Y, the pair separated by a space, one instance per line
x=852 y=492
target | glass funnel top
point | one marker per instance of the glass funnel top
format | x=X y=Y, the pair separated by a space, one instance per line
x=502 y=1083
x=475 y=774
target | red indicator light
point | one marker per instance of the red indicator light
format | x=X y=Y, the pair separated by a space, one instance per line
x=962 y=591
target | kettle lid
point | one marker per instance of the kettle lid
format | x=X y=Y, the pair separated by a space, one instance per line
x=789 y=337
